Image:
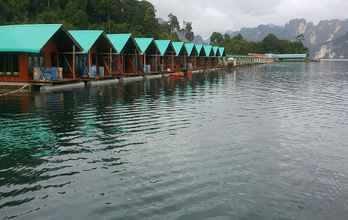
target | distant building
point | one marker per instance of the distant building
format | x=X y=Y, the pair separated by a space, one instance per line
x=288 y=57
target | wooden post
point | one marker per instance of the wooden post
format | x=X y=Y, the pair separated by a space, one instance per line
x=89 y=62
x=96 y=64
x=110 y=61
x=144 y=62
x=157 y=63
x=73 y=63
x=123 y=64
x=136 y=62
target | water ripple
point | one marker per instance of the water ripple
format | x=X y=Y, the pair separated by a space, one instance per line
x=265 y=142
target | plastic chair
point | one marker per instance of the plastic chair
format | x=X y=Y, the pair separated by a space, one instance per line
x=46 y=74
x=53 y=71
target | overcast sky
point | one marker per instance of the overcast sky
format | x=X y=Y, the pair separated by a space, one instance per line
x=221 y=15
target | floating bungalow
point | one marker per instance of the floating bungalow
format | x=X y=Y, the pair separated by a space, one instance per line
x=95 y=59
x=167 y=52
x=125 y=61
x=209 y=53
x=149 y=55
x=200 y=56
x=191 y=56
x=44 y=54
x=41 y=52
x=222 y=52
x=180 y=56
x=215 y=58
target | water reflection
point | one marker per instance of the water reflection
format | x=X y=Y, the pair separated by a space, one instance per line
x=257 y=143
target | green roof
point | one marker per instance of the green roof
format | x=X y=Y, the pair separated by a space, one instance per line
x=199 y=48
x=216 y=51
x=222 y=51
x=162 y=45
x=178 y=47
x=189 y=48
x=86 y=38
x=208 y=50
x=29 y=38
x=143 y=43
x=119 y=41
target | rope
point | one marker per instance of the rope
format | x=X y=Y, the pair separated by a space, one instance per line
x=14 y=91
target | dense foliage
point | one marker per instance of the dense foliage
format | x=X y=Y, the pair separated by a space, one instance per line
x=138 y=17
x=270 y=44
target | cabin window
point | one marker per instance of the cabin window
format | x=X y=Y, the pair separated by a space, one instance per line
x=81 y=64
x=9 y=64
x=35 y=60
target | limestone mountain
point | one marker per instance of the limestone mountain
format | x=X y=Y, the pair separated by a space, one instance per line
x=322 y=39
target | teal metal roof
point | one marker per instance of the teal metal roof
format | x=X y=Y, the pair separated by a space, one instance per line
x=216 y=51
x=178 y=47
x=119 y=41
x=162 y=45
x=222 y=51
x=199 y=48
x=86 y=38
x=29 y=38
x=189 y=48
x=208 y=50
x=143 y=43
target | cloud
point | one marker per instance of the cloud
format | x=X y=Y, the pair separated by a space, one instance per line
x=222 y=15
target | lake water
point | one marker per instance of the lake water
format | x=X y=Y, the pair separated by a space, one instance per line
x=263 y=142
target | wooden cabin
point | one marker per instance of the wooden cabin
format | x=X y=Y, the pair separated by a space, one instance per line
x=209 y=54
x=200 y=59
x=167 y=52
x=149 y=57
x=191 y=56
x=215 y=58
x=222 y=56
x=125 y=61
x=95 y=59
x=222 y=51
x=37 y=52
x=180 y=57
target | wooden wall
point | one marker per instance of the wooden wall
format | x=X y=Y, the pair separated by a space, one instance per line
x=23 y=74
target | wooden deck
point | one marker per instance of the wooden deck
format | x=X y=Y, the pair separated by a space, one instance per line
x=54 y=82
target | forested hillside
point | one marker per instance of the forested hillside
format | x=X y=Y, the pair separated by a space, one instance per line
x=138 y=17
x=270 y=44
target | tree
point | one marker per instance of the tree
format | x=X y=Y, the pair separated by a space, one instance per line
x=238 y=37
x=227 y=37
x=300 y=38
x=217 y=38
x=117 y=16
x=271 y=44
x=188 y=31
x=4 y=11
x=173 y=23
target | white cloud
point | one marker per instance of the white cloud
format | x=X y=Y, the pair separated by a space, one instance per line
x=222 y=15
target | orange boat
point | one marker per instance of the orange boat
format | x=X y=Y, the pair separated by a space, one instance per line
x=177 y=74
x=181 y=74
